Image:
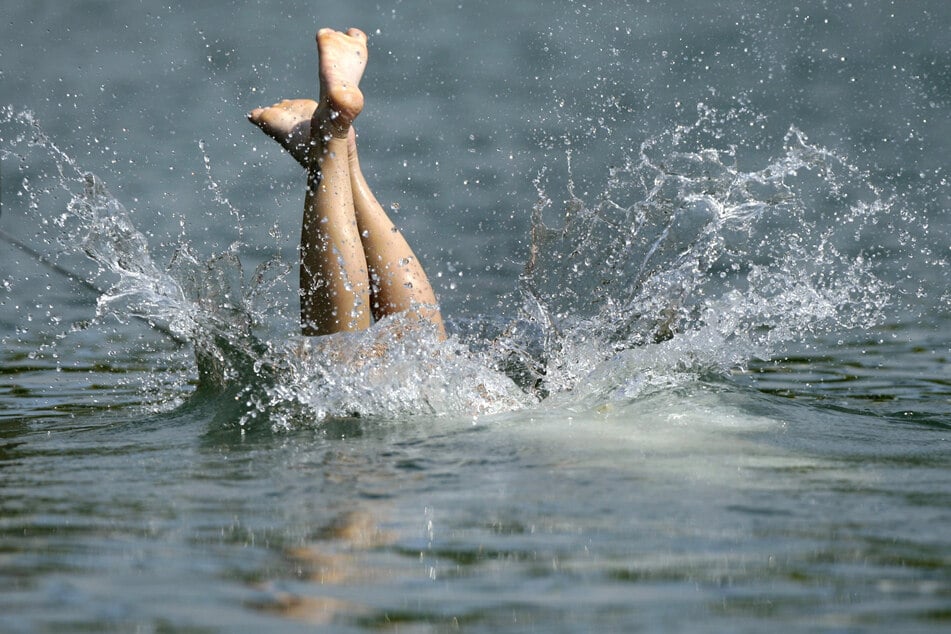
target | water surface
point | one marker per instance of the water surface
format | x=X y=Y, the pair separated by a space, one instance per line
x=767 y=183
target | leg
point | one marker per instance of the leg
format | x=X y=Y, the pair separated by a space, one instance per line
x=398 y=280
x=334 y=279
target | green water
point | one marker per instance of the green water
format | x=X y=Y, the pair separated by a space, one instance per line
x=781 y=463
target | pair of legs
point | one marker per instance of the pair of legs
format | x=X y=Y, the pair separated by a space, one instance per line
x=355 y=265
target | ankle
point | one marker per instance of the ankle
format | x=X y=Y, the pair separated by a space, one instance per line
x=329 y=124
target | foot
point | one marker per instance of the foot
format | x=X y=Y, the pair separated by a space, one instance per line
x=343 y=57
x=288 y=123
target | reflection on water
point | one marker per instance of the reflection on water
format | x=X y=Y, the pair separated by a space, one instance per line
x=332 y=558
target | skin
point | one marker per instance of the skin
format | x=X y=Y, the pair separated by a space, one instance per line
x=355 y=264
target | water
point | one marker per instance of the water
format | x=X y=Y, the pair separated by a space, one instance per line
x=695 y=261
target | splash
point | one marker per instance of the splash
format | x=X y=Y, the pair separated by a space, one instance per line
x=685 y=265
x=688 y=264
x=211 y=307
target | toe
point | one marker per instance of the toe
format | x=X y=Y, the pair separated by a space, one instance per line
x=357 y=33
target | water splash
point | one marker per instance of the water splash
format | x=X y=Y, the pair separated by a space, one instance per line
x=95 y=223
x=686 y=264
x=212 y=307
x=689 y=264
x=397 y=367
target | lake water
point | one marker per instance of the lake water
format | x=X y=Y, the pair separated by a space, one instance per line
x=695 y=260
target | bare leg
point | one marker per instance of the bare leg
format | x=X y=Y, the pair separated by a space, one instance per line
x=334 y=279
x=398 y=282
